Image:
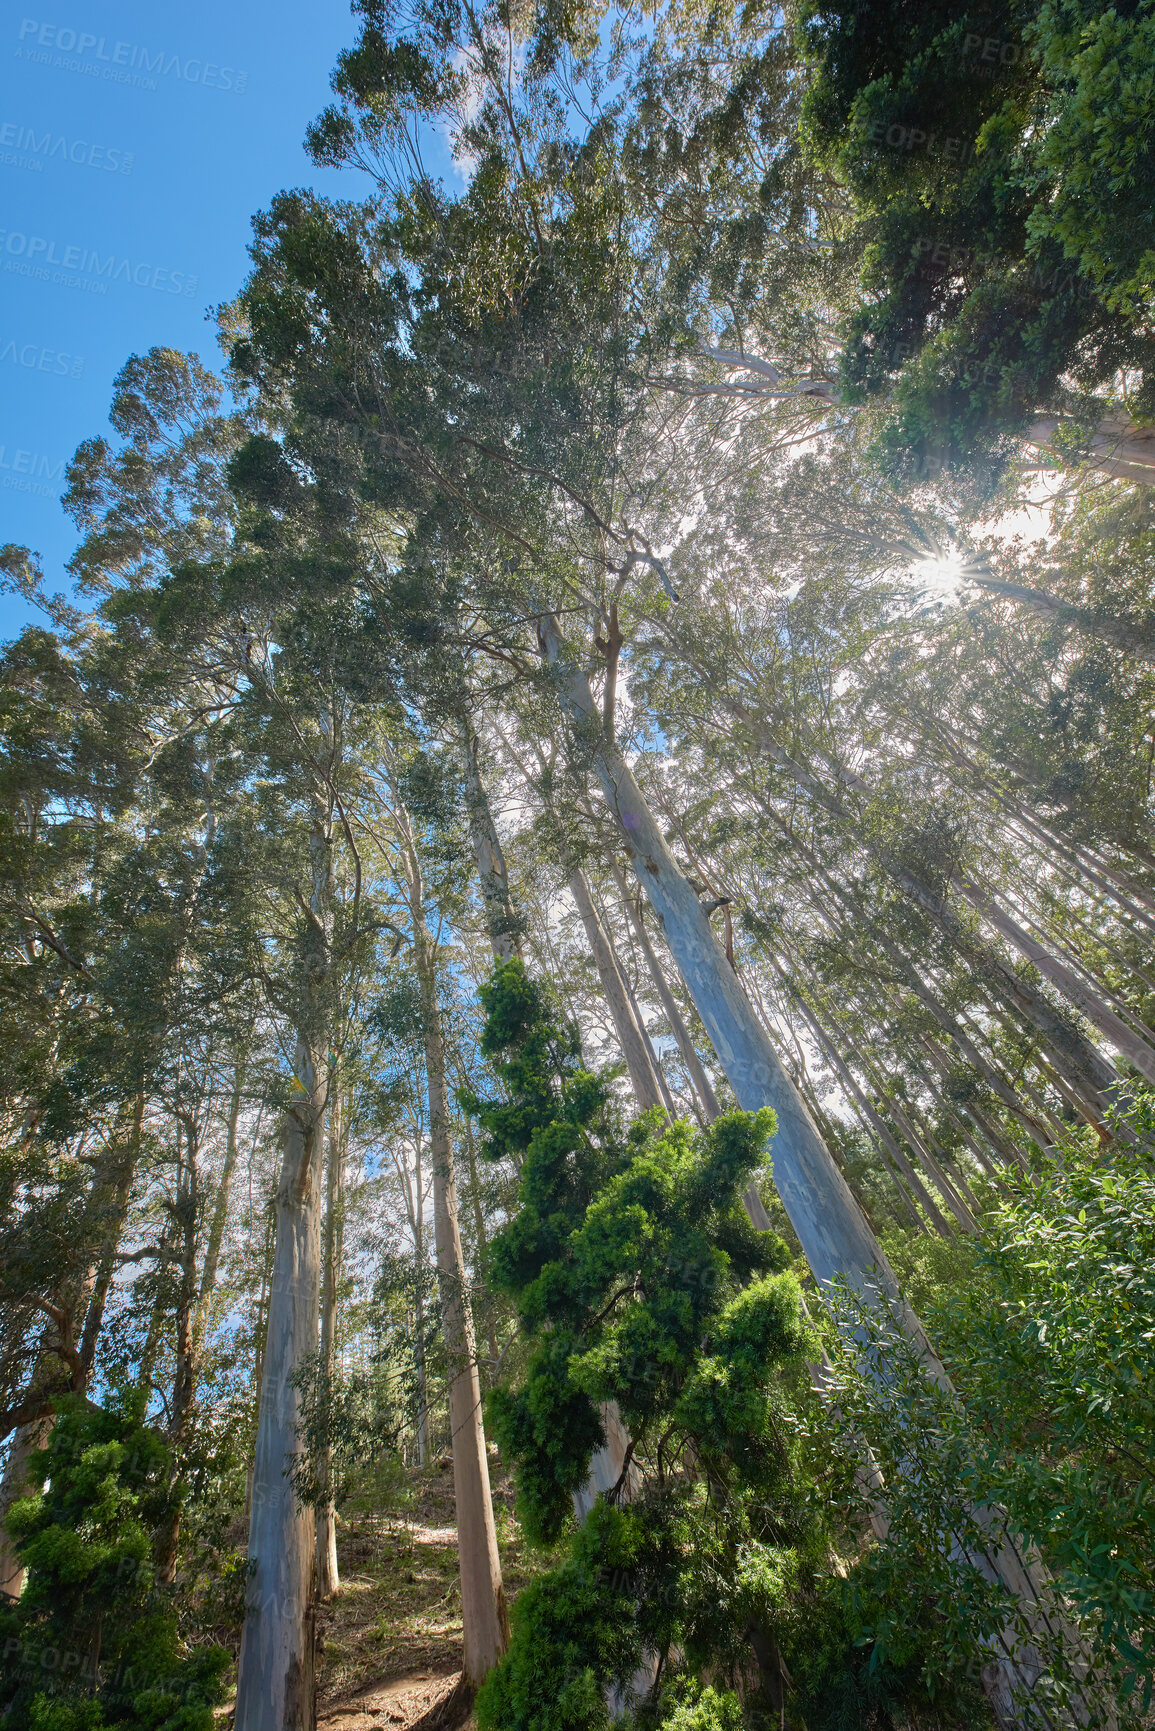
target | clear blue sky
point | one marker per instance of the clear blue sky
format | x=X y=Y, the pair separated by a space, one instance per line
x=136 y=142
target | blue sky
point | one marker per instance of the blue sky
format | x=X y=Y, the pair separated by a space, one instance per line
x=136 y=142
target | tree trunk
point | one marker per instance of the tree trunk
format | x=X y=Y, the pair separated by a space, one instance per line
x=275 y=1690
x=185 y=1214
x=878 y=1125
x=1119 y=447
x=501 y=921
x=220 y=1209
x=117 y=1192
x=696 y=1070
x=275 y=1674
x=485 y=1623
x=606 y=1466
x=633 y=1043
x=1117 y=1032
x=1081 y=1062
x=479 y=1230
x=328 y=1579
x=419 y=1311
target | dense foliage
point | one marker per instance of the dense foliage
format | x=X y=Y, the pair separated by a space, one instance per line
x=626 y=560
x=92 y=1642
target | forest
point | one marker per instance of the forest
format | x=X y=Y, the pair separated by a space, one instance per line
x=577 y=908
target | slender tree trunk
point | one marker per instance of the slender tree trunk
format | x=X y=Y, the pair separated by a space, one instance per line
x=261 y=1332
x=1119 y=447
x=696 y=1070
x=834 y=1235
x=930 y=1000
x=501 y=920
x=1084 y=1066
x=220 y=1209
x=275 y=1675
x=634 y=1046
x=484 y=1619
x=1114 y=1030
x=490 y=860
x=184 y=1382
x=419 y=1312
x=275 y=1686
x=479 y=1230
x=328 y=1578
x=117 y=1192
x=638 y=1016
x=877 y=1124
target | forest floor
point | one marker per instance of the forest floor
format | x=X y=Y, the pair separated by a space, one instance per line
x=390 y=1638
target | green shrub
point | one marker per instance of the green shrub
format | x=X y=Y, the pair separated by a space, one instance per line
x=92 y=1643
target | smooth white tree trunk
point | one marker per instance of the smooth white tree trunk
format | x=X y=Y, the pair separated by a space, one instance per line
x=275 y=1681
x=485 y=1622
x=696 y=1070
x=275 y=1672
x=633 y=1042
x=1114 y=1029
x=328 y=1576
x=492 y=876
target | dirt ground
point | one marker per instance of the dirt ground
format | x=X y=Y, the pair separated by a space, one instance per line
x=390 y=1639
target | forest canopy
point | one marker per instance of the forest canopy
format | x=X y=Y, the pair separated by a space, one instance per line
x=577 y=982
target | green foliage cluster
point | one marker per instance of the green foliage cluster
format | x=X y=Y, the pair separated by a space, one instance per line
x=1002 y=158
x=92 y=1643
x=1056 y=1304
x=639 y=1280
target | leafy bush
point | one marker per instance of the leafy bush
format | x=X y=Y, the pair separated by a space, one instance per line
x=639 y=1280
x=92 y=1643
x=1048 y=1335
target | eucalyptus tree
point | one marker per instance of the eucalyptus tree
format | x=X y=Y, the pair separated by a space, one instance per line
x=216 y=608
x=110 y=934
x=405 y=815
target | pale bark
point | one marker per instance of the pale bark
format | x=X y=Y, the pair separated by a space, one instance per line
x=1131 y=637
x=485 y=1623
x=118 y=1192
x=829 y=1223
x=419 y=1312
x=606 y=1465
x=1084 y=1066
x=220 y=1209
x=501 y=921
x=633 y=1043
x=878 y=1125
x=328 y=1576
x=1077 y=993
x=696 y=1070
x=639 y=1017
x=913 y=981
x=185 y=1211
x=275 y=1689
x=275 y=1674
x=480 y=1232
x=1118 y=447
